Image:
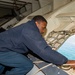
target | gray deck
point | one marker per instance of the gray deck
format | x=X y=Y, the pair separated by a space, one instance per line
x=51 y=70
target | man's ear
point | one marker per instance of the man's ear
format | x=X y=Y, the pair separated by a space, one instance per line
x=37 y=24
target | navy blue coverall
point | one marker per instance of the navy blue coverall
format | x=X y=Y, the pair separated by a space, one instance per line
x=21 y=39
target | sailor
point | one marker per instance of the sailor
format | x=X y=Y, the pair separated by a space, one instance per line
x=22 y=39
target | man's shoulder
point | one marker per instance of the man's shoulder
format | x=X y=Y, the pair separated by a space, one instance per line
x=30 y=24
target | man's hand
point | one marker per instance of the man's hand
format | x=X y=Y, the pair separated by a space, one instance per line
x=71 y=63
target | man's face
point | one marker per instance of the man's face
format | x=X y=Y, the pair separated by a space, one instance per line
x=41 y=26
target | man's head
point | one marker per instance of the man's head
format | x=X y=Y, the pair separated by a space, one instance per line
x=41 y=23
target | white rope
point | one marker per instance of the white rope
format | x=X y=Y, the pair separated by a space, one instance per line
x=48 y=66
x=36 y=62
x=41 y=69
x=68 y=64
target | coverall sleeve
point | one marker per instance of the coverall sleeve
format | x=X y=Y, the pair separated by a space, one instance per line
x=36 y=43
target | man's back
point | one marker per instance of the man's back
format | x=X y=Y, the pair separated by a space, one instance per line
x=12 y=39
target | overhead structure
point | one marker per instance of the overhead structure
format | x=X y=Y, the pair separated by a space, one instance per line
x=13 y=4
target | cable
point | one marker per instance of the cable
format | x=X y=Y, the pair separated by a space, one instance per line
x=48 y=66
x=36 y=62
x=42 y=68
x=68 y=64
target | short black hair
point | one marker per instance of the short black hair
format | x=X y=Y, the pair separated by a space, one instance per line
x=39 y=18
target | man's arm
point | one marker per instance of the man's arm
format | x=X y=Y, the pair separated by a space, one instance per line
x=34 y=41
